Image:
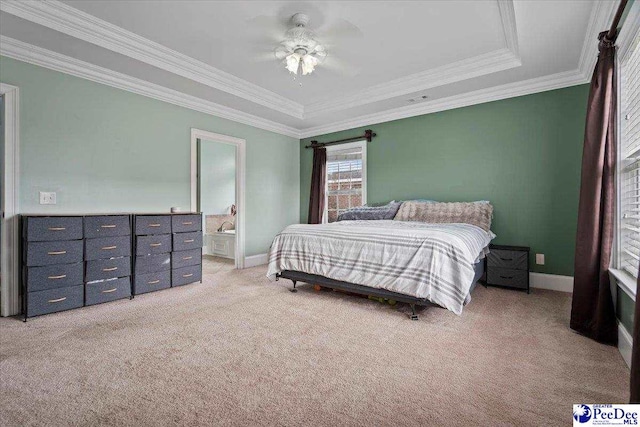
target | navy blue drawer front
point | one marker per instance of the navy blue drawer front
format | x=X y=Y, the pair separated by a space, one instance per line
x=107 y=247
x=106 y=225
x=41 y=229
x=150 y=282
x=185 y=275
x=155 y=244
x=186 y=223
x=153 y=224
x=108 y=290
x=152 y=263
x=102 y=269
x=53 y=276
x=53 y=300
x=186 y=241
x=508 y=277
x=186 y=258
x=517 y=260
x=48 y=253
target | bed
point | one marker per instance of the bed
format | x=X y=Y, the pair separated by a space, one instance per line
x=413 y=262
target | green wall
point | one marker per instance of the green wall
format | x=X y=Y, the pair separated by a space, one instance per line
x=107 y=150
x=523 y=154
x=217 y=177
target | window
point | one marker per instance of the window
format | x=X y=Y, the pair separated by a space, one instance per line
x=629 y=162
x=346 y=178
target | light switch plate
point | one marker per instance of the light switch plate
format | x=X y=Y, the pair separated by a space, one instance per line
x=540 y=259
x=47 y=198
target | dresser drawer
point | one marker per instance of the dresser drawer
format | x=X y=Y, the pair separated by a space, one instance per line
x=508 y=277
x=59 y=252
x=106 y=225
x=186 y=241
x=102 y=269
x=52 y=300
x=185 y=275
x=508 y=259
x=53 y=276
x=40 y=229
x=107 y=247
x=185 y=223
x=186 y=258
x=156 y=244
x=152 y=263
x=150 y=282
x=153 y=224
x=108 y=290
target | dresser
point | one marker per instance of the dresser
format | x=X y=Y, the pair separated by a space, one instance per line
x=71 y=261
x=508 y=267
x=168 y=251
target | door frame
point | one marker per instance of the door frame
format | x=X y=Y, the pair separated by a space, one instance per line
x=10 y=303
x=240 y=145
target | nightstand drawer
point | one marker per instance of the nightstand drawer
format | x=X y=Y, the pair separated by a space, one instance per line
x=501 y=258
x=508 y=277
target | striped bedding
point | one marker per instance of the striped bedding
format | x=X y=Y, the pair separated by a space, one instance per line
x=432 y=261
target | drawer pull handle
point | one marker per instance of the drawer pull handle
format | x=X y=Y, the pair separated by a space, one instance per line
x=108 y=291
x=188 y=223
x=108 y=248
x=57 y=253
x=57 y=228
x=155 y=244
x=110 y=269
x=153 y=282
x=108 y=226
x=57 y=300
x=62 y=276
x=506 y=259
x=187 y=275
x=189 y=241
x=154 y=225
x=187 y=257
x=506 y=277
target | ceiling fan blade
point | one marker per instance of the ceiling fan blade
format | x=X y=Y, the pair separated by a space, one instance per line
x=331 y=63
x=340 y=29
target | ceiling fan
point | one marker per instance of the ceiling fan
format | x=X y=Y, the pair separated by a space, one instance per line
x=299 y=48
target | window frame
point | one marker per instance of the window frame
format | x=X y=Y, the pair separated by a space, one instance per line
x=362 y=144
x=629 y=33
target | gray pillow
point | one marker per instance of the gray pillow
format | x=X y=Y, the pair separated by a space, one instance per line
x=387 y=211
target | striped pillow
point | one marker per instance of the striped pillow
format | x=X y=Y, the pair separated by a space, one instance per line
x=474 y=213
x=387 y=211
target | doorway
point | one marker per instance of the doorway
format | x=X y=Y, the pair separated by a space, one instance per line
x=217 y=191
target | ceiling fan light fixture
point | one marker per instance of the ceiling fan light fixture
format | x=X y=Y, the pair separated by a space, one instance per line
x=292 y=63
x=300 y=50
x=309 y=63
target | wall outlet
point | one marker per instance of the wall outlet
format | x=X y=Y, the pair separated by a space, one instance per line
x=47 y=198
x=540 y=259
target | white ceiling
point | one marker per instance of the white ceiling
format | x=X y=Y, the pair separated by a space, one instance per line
x=217 y=56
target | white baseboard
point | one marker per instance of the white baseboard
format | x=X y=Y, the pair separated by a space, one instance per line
x=553 y=282
x=625 y=344
x=255 y=260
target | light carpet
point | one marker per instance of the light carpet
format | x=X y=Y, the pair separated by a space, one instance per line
x=239 y=350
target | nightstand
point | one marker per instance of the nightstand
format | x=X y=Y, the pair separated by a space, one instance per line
x=508 y=267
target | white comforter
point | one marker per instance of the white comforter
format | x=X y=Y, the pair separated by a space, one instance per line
x=432 y=261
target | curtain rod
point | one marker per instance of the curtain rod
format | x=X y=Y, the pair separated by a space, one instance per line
x=616 y=20
x=368 y=135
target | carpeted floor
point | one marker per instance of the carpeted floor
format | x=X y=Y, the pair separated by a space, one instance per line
x=239 y=350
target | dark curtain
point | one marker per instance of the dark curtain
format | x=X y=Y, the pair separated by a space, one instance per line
x=635 y=355
x=592 y=312
x=318 y=181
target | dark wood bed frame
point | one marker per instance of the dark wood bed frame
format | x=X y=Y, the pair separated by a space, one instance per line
x=298 y=276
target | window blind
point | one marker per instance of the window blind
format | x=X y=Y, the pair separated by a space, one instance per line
x=344 y=181
x=629 y=166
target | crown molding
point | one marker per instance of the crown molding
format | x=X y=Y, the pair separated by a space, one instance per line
x=496 y=93
x=480 y=65
x=76 y=23
x=45 y=58
x=630 y=31
x=600 y=20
